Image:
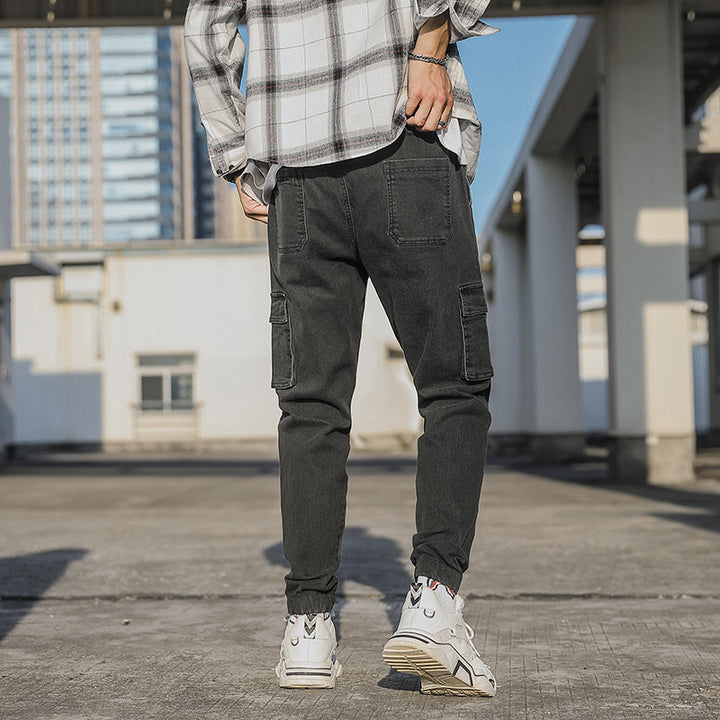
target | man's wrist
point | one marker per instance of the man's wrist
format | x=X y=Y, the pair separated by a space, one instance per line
x=433 y=37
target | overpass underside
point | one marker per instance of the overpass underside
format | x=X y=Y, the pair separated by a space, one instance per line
x=21 y=13
x=621 y=140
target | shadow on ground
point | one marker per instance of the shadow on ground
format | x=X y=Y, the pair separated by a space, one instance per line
x=594 y=473
x=376 y=562
x=25 y=578
x=98 y=465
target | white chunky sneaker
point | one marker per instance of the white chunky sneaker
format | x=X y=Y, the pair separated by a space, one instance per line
x=308 y=653
x=434 y=642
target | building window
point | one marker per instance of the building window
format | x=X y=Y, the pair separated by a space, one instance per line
x=166 y=383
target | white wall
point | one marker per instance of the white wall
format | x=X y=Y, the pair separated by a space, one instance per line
x=76 y=364
x=56 y=373
x=215 y=306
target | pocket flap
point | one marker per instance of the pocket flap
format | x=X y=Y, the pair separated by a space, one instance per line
x=278 y=307
x=472 y=300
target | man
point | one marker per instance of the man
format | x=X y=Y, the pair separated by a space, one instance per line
x=356 y=145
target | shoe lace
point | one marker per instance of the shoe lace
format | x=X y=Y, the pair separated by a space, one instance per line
x=468 y=629
x=471 y=635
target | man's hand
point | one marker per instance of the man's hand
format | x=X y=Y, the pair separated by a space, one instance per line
x=251 y=207
x=430 y=97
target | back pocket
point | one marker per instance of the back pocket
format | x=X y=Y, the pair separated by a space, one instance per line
x=476 y=346
x=418 y=197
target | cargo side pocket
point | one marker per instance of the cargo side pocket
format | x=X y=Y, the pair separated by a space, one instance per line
x=476 y=347
x=283 y=370
x=290 y=212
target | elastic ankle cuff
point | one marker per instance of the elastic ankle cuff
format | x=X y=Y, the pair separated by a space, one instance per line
x=309 y=603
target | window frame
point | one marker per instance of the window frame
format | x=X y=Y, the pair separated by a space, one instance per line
x=173 y=368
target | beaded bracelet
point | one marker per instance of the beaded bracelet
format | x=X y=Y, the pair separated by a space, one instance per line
x=428 y=59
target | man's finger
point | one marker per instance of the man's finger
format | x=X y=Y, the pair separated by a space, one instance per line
x=412 y=105
x=419 y=117
x=251 y=207
x=445 y=117
x=258 y=212
x=447 y=110
x=438 y=111
x=431 y=123
x=259 y=218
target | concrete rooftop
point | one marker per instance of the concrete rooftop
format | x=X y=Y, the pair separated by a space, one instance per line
x=152 y=588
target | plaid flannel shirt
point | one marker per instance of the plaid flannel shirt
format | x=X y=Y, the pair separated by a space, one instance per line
x=326 y=81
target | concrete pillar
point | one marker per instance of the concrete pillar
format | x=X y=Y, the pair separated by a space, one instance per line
x=712 y=275
x=555 y=413
x=6 y=389
x=5 y=244
x=651 y=409
x=508 y=343
x=5 y=176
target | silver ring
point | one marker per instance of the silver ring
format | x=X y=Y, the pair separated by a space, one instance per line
x=442 y=123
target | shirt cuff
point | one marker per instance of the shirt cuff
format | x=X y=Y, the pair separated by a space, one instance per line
x=228 y=160
x=464 y=17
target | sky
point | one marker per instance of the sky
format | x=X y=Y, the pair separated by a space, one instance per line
x=507 y=73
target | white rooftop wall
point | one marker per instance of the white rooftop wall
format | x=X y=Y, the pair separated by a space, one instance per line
x=75 y=363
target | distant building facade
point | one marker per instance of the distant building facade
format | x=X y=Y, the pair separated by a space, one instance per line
x=170 y=349
x=104 y=138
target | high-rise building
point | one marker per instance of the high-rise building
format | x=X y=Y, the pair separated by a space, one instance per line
x=105 y=141
x=5 y=64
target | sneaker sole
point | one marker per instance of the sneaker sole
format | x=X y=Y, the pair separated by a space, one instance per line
x=301 y=679
x=404 y=656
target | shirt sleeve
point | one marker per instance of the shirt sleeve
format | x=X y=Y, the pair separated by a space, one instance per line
x=464 y=16
x=216 y=56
